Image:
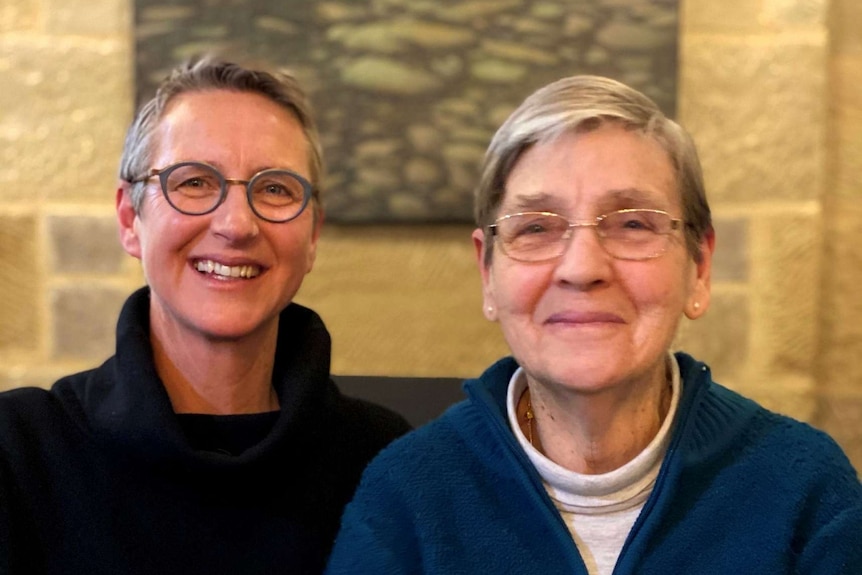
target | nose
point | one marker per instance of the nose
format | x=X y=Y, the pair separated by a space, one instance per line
x=584 y=262
x=233 y=219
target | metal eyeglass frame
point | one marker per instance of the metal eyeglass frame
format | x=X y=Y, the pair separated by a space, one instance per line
x=675 y=223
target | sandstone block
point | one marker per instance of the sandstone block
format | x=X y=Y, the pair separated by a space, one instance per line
x=85 y=244
x=846 y=126
x=785 y=292
x=96 y=18
x=795 y=13
x=730 y=260
x=16 y=15
x=20 y=275
x=66 y=105
x=729 y=17
x=85 y=317
x=759 y=123
x=841 y=316
x=844 y=18
x=721 y=337
x=402 y=300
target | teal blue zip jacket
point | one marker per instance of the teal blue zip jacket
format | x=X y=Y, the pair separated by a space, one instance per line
x=741 y=490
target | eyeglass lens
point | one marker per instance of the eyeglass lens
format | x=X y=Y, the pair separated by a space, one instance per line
x=195 y=189
x=625 y=234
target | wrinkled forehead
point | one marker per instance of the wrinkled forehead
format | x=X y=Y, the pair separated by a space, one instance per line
x=609 y=166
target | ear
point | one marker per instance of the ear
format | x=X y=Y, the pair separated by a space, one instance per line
x=311 y=256
x=699 y=298
x=489 y=303
x=127 y=219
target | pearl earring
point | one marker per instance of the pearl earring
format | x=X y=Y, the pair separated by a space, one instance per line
x=697 y=305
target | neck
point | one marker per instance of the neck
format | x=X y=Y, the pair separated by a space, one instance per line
x=598 y=432
x=217 y=377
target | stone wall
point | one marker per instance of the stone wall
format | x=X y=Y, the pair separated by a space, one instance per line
x=839 y=344
x=767 y=87
x=64 y=104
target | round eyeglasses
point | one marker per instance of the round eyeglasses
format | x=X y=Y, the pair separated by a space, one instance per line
x=624 y=234
x=195 y=189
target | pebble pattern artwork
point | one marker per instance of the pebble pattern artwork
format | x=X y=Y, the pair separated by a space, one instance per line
x=409 y=92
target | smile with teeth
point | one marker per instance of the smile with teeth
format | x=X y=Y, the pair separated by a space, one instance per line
x=217 y=269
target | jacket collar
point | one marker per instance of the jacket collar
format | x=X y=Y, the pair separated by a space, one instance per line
x=128 y=408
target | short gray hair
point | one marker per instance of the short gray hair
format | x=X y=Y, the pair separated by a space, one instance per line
x=211 y=73
x=580 y=104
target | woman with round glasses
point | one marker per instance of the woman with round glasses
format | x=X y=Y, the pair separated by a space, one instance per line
x=214 y=440
x=594 y=449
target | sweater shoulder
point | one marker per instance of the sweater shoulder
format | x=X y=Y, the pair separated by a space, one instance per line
x=468 y=433
x=441 y=446
x=25 y=402
x=36 y=411
x=724 y=411
x=36 y=402
x=725 y=425
x=31 y=416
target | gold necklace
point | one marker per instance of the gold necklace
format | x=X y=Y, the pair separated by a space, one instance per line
x=529 y=416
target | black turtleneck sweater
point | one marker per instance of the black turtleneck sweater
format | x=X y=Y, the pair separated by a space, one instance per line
x=99 y=475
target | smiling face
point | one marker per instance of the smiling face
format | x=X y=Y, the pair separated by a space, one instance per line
x=226 y=274
x=587 y=321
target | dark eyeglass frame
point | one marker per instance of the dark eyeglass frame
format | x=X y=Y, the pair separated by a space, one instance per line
x=164 y=173
x=675 y=224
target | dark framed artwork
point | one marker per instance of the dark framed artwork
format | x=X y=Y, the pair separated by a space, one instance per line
x=408 y=93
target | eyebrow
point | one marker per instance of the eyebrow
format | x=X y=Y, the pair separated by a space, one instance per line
x=220 y=167
x=540 y=201
x=634 y=198
x=614 y=199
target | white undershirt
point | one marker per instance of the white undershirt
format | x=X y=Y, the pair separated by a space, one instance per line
x=599 y=510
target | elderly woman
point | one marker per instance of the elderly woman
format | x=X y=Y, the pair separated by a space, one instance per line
x=594 y=450
x=214 y=441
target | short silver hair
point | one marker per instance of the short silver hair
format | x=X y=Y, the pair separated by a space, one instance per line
x=582 y=104
x=211 y=73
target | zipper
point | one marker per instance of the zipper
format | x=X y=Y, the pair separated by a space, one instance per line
x=669 y=460
x=529 y=477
